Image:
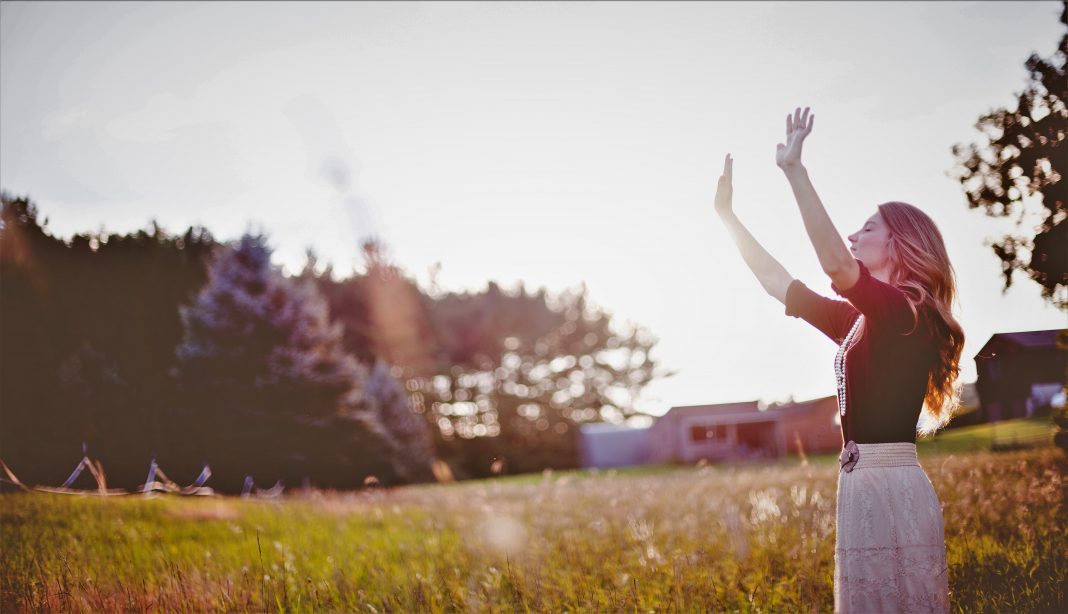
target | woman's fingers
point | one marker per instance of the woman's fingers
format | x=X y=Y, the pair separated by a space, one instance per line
x=722 y=201
x=799 y=120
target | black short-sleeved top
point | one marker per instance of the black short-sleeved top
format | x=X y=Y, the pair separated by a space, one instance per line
x=888 y=368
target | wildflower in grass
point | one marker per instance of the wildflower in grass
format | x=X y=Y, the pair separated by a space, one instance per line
x=764 y=507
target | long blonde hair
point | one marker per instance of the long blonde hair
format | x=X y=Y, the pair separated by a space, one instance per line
x=920 y=267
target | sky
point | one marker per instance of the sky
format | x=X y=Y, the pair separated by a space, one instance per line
x=549 y=143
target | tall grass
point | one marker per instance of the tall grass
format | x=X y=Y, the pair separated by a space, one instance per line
x=721 y=538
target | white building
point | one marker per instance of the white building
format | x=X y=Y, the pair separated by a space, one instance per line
x=604 y=445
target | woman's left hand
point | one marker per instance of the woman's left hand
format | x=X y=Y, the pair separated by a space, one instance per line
x=725 y=188
x=798 y=126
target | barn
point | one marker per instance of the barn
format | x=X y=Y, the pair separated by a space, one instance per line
x=1019 y=373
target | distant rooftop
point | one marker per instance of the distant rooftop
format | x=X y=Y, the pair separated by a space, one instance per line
x=608 y=427
x=717 y=407
x=1028 y=339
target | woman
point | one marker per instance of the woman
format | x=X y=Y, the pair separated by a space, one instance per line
x=898 y=358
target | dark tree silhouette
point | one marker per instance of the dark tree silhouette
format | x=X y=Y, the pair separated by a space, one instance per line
x=1021 y=166
x=87 y=332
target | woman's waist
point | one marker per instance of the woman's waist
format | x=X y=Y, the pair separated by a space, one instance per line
x=897 y=454
x=879 y=424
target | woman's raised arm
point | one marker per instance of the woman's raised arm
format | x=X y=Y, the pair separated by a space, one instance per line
x=772 y=276
x=835 y=259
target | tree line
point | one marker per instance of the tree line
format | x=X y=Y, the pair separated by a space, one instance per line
x=191 y=351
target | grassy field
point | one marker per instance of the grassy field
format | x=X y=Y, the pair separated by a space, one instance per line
x=754 y=538
x=1023 y=432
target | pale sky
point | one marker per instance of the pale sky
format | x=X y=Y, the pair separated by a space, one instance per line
x=553 y=143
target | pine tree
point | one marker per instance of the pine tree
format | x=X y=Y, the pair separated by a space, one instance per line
x=267 y=381
x=385 y=396
x=251 y=329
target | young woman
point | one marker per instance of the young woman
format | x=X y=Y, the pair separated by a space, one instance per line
x=898 y=358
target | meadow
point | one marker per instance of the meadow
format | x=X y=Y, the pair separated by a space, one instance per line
x=747 y=538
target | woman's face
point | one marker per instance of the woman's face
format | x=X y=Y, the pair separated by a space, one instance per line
x=869 y=244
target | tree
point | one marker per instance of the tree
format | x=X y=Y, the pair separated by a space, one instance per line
x=268 y=382
x=521 y=371
x=252 y=328
x=410 y=432
x=1018 y=171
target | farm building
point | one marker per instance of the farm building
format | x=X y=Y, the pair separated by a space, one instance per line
x=1020 y=373
x=726 y=431
x=742 y=430
x=716 y=432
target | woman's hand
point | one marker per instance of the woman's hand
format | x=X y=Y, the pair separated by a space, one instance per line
x=725 y=189
x=798 y=126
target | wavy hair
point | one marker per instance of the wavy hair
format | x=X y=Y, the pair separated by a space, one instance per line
x=920 y=267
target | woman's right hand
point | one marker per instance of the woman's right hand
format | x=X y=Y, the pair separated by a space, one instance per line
x=725 y=189
x=798 y=126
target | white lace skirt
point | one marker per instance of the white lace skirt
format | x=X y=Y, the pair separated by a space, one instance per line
x=890 y=550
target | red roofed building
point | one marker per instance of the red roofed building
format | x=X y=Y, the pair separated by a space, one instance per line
x=730 y=431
